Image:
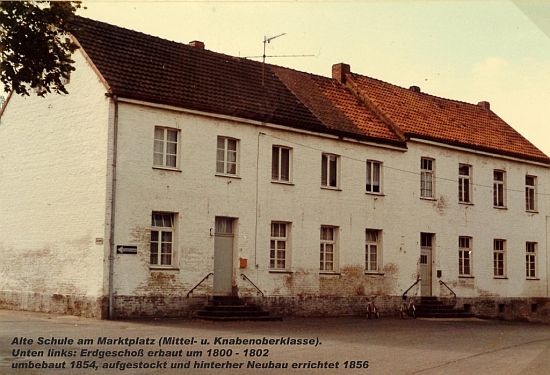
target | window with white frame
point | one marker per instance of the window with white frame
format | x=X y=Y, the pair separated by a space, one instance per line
x=329 y=170
x=162 y=238
x=165 y=151
x=280 y=163
x=374 y=176
x=328 y=248
x=427 y=177
x=464 y=183
x=499 y=188
x=227 y=155
x=530 y=193
x=499 y=258
x=531 y=260
x=372 y=249
x=278 y=253
x=465 y=256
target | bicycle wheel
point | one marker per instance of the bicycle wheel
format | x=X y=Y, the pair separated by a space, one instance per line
x=413 y=310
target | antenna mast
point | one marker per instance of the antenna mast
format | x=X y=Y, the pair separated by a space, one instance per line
x=267 y=40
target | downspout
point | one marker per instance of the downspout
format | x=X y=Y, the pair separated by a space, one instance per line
x=257 y=200
x=546 y=257
x=113 y=201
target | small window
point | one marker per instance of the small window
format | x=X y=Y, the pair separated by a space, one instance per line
x=329 y=170
x=279 y=249
x=465 y=183
x=162 y=238
x=530 y=193
x=374 y=176
x=499 y=258
x=531 y=260
x=227 y=156
x=165 y=153
x=328 y=248
x=499 y=188
x=280 y=163
x=427 y=182
x=372 y=250
x=465 y=256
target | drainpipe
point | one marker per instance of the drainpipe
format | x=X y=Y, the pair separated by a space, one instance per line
x=257 y=201
x=113 y=201
x=546 y=257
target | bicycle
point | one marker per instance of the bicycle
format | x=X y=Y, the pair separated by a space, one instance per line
x=372 y=310
x=407 y=308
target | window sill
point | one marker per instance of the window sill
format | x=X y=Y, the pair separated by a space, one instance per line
x=280 y=271
x=330 y=188
x=500 y=207
x=466 y=203
x=428 y=199
x=375 y=194
x=500 y=277
x=532 y=278
x=228 y=176
x=531 y=212
x=160 y=167
x=465 y=277
x=282 y=182
x=329 y=273
x=163 y=268
x=374 y=273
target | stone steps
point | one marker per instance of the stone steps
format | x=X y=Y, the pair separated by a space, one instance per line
x=229 y=308
x=431 y=307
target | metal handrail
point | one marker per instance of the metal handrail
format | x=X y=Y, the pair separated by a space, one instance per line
x=404 y=296
x=250 y=281
x=200 y=282
x=441 y=282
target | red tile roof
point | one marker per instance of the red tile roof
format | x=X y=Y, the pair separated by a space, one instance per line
x=429 y=117
x=143 y=67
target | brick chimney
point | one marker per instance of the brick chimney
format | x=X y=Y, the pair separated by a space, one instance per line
x=339 y=72
x=414 y=88
x=485 y=105
x=197 y=44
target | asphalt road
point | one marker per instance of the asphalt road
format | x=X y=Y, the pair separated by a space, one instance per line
x=305 y=346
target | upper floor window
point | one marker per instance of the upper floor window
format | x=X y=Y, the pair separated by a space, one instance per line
x=329 y=170
x=372 y=249
x=328 y=248
x=530 y=193
x=165 y=149
x=162 y=238
x=464 y=183
x=227 y=155
x=374 y=176
x=499 y=188
x=427 y=177
x=280 y=164
x=531 y=260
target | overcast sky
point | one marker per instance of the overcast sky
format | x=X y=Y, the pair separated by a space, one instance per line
x=497 y=51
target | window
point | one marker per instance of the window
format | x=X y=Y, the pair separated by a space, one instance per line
x=372 y=249
x=464 y=183
x=165 y=149
x=530 y=193
x=329 y=170
x=328 y=248
x=279 y=246
x=162 y=230
x=280 y=164
x=531 y=260
x=499 y=188
x=465 y=256
x=226 y=156
x=374 y=176
x=427 y=178
x=499 y=258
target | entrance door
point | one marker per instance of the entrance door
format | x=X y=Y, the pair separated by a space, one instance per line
x=426 y=240
x=223 y=256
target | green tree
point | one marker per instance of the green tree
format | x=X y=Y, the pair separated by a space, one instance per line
x=35 y=47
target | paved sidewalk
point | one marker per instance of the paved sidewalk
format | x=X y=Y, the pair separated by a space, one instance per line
x=311 y=346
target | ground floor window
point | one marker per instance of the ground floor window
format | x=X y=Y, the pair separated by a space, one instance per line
x=328 y=248
x=465 y=256
x=162 y=238
x=499 y=258
x=531 y=260
x=372 y=249
x=278 y=252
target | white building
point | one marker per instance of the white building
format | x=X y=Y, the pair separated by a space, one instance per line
x=168 y=163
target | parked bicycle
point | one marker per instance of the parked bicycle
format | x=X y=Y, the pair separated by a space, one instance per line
x=372 y=310
x=408 y=307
